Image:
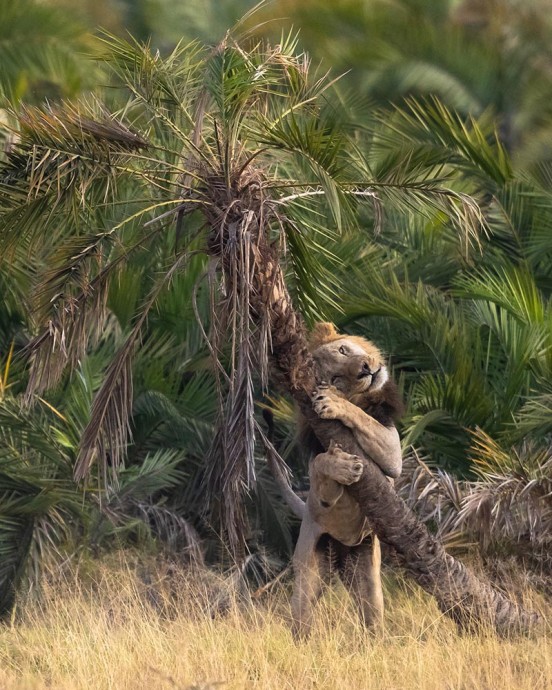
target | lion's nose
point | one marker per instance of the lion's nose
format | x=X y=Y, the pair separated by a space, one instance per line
x=364 y=370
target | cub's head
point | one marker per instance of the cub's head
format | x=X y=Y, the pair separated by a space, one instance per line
x=350 y=363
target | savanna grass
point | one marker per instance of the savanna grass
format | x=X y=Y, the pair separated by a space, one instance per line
x=124 y=625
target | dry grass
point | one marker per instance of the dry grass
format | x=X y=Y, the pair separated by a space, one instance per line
x=107 y=628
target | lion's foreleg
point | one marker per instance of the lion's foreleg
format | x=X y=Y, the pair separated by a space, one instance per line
x=308 y=565
x=381 y=444
x=361 y=574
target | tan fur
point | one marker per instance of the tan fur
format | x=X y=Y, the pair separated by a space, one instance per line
x=356 y=384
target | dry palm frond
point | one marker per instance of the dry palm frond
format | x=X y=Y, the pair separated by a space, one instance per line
x=107 y=431
x=512 y=501
x=240 y=221
x=434 y=494
x=79 y=320
x=52 y=125
x=80 y=314
x=172 y=529
x=62 y=149
x=507 y=509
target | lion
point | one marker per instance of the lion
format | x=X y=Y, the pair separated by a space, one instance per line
x=334 y=533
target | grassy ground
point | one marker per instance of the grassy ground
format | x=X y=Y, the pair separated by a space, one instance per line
x=122 y=627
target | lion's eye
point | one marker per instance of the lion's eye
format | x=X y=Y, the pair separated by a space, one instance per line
x=342 y=350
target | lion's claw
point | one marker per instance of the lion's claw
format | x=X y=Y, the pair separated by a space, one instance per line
x=326 y=408
x=326 y=404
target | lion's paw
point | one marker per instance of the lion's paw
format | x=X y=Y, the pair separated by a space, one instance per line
x=345 y=468
x=326 y=403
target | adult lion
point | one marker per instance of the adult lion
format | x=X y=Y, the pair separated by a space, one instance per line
x=334 y=533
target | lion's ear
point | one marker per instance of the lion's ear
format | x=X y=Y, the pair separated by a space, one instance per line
x=322 y=333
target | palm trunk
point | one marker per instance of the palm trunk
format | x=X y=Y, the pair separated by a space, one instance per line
x=470 y=601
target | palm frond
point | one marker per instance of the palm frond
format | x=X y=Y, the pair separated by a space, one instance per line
x=78 y=321
x=186 y=424
x=513 y=498
x=428 y=126
x=105 y=436
x=507 y=509
x=38 y=497
x=64 y=156
x=71 y=299
x=534 y=419
x=512 y=288
x=166 y=82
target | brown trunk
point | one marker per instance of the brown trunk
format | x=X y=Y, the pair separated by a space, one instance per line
x=470 y=601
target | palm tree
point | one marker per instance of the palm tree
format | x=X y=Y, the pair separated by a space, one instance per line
x=245 y=157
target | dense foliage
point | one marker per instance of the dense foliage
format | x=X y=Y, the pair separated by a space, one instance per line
x=418 y=213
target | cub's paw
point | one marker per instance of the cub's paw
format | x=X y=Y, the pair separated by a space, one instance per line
x=326 y=403
x=343 y=467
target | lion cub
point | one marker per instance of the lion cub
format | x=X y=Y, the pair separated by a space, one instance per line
x=334 y=532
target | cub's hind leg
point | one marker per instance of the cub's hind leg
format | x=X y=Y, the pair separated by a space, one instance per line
x=360 y=571
x=309 y=569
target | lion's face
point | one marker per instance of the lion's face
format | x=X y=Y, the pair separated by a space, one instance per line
x=351 y=364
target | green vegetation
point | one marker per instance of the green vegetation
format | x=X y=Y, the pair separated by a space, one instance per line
x=413 y=197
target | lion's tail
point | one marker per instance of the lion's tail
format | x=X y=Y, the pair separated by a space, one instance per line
x=274 y=463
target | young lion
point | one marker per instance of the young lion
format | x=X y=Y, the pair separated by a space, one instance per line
x=334 y=532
